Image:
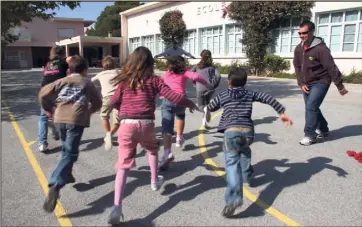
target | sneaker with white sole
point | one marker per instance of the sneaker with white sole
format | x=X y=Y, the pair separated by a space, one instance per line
x=108 y=141
x=116 y=216
x=159 y=182
x=321 y=134
x=180 y=141
x=306 y=141
x=42 y=147
x=165 y=161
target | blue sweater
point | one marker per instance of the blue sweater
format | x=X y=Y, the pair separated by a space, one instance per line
x=238 y=106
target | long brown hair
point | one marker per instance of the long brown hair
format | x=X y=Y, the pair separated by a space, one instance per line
x=206 y=59
x=138 y=68
x=56 y=51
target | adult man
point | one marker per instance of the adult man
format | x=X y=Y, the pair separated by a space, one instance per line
x=173 y=51
x=315 y=70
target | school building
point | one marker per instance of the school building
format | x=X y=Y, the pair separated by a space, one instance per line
x=36 y=38
x=338 y=23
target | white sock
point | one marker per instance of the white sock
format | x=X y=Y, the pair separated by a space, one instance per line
x=166 y=152
x=203 y=121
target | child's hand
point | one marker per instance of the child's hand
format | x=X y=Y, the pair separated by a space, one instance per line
x=193 y=108
x=286 y=120
x=48 y=114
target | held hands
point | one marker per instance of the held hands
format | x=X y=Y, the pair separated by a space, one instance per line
x=193 y=108
x=286 y=120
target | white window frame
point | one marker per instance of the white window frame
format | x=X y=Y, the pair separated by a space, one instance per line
x=190 y=35
x=342 y=24
x=233 y=43
x=134 y=43
x=160 y=45
x=219 y=36
x=65 y=36
x=277 y=48
x=148 y=42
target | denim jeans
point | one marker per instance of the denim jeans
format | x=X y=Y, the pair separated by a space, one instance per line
x=169 y=111
x=43 y=128
x=314 y=118
x=237 y=153
x=70 y=136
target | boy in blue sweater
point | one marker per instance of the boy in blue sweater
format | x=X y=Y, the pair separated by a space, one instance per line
x=238 y=129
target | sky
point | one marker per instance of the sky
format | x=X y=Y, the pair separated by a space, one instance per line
x=87 y=10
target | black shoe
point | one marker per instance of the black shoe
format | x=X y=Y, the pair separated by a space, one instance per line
x=71 y=179
x=228 y=211
x=51 y=199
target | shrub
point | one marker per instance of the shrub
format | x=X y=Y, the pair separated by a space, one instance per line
x=283 y=75
x=172 y=27
x=160 y=65
x=355 y=77
x=275 y=64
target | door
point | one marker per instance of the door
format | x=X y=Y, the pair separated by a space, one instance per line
x=23 y=59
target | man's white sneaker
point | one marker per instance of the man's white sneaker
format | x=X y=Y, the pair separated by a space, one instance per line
x=321 y=134
x=306 y=141
x=159 y=182
x=42 y=147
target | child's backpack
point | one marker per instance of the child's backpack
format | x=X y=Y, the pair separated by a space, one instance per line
x=213 y=78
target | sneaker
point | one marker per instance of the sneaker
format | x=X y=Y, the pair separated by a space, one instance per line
x=228 y=211
x=42 y=147
x=159 y=182
x=108 y=141
x=51 y=199
x=321 y=134
x=166 y=161
x=306 y=141
x=116 y=216
x=180 y=141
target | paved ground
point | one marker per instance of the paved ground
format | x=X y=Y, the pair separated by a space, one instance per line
x=316 y=185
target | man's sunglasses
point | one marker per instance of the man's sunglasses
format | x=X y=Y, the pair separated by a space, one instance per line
x=303 y=33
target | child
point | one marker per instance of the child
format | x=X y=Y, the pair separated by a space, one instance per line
x=108 y=90
x=55 y=69
x=176 y=78
x=72 y=114
x=238 y=129
x=211 y=74
x=135 y=97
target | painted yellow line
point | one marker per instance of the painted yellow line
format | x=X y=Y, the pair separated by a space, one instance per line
x=59 y=210
x=31 y=143
x=274 y=212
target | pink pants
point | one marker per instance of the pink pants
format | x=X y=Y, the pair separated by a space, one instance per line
x=131 y=134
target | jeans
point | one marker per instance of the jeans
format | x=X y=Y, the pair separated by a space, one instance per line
x=43 y=128
x=314 y=118
x=70 y=136
x=168 y=112
x=237 y=153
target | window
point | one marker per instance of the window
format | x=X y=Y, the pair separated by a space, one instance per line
x=286 y=38
x=190 y=41
x=359 y=41
x=12 y=56
x=148 y=42
x=211 y=39
x=160 y=46
x=234 y=36
x=134 y=43
x=65 y=33
x=341 y=31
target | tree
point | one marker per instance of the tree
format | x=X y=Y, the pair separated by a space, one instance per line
x=172 y=28
x=110 y=20
x=259 y=19
x=13 y=13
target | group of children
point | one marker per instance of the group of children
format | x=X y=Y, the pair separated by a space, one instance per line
x=129 y=94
